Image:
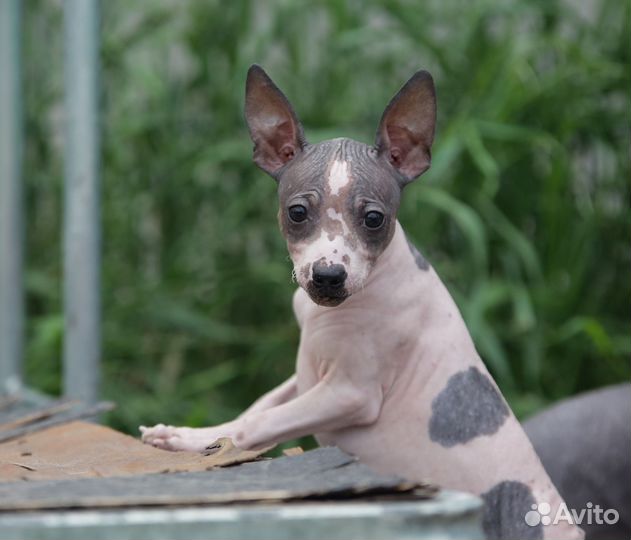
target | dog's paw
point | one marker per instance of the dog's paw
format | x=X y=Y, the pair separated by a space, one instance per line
x=178 y=439
x=159 y=431
x=175 y=444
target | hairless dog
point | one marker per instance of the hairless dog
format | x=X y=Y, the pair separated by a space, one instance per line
x=386 y=369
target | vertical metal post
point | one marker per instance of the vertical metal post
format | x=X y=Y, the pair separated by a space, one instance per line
x=11 y=200
x=82 y=234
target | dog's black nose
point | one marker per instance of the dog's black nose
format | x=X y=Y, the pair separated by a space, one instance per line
x=328 y=277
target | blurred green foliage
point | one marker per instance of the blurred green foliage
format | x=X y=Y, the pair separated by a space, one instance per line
x=524 y=213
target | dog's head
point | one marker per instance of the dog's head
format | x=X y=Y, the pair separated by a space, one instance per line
x=339 y=198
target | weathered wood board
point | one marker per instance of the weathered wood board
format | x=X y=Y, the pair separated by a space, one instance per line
x=320 y=473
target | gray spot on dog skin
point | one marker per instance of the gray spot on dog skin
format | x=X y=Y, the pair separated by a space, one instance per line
x=468 y=407
x=505 y=507
x=421 y=262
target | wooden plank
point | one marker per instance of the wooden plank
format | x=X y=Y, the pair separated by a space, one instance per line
x=317 y=474
x=76 y=413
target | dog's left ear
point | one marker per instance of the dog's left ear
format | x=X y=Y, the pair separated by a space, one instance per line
x=406 y=130
x=274 y=127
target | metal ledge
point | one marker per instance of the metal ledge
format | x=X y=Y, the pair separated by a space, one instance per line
x=451 y=515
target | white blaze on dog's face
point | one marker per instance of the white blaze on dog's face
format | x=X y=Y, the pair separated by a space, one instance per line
x=339 y=198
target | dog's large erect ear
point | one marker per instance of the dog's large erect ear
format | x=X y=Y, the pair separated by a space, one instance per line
x=274 y=127
x=406 y=130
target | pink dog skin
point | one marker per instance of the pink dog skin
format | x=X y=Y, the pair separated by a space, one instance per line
x=386 y=369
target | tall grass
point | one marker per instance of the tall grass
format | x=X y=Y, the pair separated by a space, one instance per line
x=524 y=213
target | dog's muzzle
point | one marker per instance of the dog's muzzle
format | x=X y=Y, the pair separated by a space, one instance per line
x=326 y=286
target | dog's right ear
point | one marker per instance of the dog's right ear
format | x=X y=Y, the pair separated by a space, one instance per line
x=274 y=127
x=406 y=130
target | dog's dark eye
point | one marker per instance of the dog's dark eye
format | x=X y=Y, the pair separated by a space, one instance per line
x=373 y=219
x=297 y=213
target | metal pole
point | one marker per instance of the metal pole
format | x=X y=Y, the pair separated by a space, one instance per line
x=11 y=200
x=82 y=234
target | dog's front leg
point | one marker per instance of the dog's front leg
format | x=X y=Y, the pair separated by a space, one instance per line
x=197 y=439
x=275 y=418
x=327 y=406
x=281 y=394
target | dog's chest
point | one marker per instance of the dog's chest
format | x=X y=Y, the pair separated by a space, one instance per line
x=352 y=346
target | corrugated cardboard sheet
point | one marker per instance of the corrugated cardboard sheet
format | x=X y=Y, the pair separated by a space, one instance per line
x=84 y=450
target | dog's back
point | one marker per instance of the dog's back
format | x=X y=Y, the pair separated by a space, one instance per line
x=585 y=446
